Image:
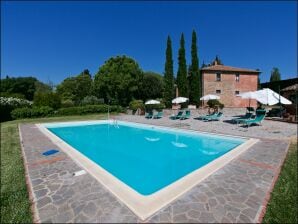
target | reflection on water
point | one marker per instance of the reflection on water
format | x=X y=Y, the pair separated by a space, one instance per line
x=152 y=139
x=179 y=145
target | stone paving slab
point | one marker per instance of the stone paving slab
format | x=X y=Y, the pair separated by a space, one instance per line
x=267 y=130
x=235 y=193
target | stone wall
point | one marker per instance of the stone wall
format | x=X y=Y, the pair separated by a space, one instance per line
x=228 y=86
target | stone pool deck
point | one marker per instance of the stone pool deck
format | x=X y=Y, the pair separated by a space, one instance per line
x=236 y=193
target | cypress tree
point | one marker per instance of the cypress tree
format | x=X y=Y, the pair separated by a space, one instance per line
x=275 y=75
x=194 y=79
x=168 y=75
x=182 y=70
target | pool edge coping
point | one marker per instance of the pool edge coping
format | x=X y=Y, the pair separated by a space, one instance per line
x=146 y=206
x=30 y=190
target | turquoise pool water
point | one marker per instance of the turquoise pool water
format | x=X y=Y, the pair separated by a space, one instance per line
x=145 y=158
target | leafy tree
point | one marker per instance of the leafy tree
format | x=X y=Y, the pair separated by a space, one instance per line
x=275 y=75
x=21 y=85
x=41 y=87
x=91 y=100
x=152 y=86
x=182 y=70
x=194 y=78
x=67 y=89
x=83 y=85
x=118 y=80
x=168 y=75
x=50 y=99
x=76 y=88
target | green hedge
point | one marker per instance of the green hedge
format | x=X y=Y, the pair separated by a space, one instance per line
x=90 y=109
x=48 y=111
x=26 y=112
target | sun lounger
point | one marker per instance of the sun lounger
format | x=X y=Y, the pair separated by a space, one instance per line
x=158 y=115
x=205 y=116
x=178 y=116
x=148 y=115
x=186 y=115
x=245 y=117
x=214 y=117
x=260 y=115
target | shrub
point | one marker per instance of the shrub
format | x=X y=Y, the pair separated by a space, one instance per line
x=215 y=103
x=8 y=104
x=136 y=104
x=67 y=103
x=14 y=95
x=90 y=109
x=92 y=100
x=26 y=112
x=47 y=99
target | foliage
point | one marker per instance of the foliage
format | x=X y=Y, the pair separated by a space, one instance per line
x=76 y=88
x=168 y=75
x=67 y=103
x=67 y=89
x=49 y=99
x=152 y=86
x=83 y=85
x=182 y=70
x=42 y=87
x=275 y=75
x=26 y=112
x=89 y=109
x=136 y=104
x=282 y=207
x=194 y=73
x=119 y=79
x=91 y=100
x=14 y=95
x=215 y=103
x=8 y=104
x=22 y=85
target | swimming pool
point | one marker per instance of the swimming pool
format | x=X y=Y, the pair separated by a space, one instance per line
x=144 y=160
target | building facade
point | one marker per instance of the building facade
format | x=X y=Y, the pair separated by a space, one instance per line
x=227 y=82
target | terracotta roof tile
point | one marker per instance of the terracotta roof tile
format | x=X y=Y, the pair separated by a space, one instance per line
x=228 y=68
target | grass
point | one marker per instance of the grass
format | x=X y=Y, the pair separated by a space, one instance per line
x=14 y=202
x=282 y=207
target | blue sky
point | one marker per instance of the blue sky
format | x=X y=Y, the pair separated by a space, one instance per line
x=54 y=40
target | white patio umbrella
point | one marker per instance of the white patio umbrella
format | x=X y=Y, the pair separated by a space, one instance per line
x=248 y=95
x=269 y=97
x=210 y=97
x=152 y=102
x=180 y=100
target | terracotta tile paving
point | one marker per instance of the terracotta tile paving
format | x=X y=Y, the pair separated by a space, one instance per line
x=236 y=193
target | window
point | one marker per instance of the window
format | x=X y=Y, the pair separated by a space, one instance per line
x=218 y=77
x=237 y=77
x=218 y=91
x=237 y=92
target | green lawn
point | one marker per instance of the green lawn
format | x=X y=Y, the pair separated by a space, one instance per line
x=282 y=207
x=15 y=204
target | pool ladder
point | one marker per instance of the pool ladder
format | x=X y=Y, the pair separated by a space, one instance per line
x=115 y=123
